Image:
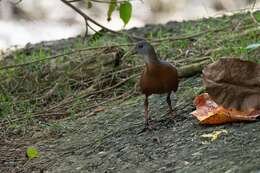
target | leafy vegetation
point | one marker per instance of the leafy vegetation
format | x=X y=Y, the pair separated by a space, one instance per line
x=125 y=10
x=123 y=7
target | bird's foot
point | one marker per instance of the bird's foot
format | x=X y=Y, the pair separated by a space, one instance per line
x=172 y=115
x=150 y=126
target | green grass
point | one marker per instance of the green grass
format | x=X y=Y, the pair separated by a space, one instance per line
x=22 y=88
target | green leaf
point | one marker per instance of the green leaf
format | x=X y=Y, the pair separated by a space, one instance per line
x=89 y=4
x=32 y=152
x=257 y=16
x=125 y=11
x=253 y=46
x=111 y=9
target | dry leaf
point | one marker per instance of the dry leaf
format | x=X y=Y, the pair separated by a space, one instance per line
x=234 y=83
x=208 y=112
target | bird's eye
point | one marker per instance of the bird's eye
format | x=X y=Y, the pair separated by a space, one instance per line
x=140 y=46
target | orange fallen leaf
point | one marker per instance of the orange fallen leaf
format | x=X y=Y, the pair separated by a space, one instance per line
x=209 y=112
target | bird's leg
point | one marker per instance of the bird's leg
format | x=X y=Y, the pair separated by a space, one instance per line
x=148 y=126
x=172 y=113
x=146 y=115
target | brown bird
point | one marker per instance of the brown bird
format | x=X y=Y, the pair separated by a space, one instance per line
x=158 y=77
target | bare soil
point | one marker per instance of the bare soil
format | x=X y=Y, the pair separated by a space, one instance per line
x=109 y=142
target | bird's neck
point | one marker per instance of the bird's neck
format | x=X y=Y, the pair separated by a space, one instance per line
x=152 y=62
x=151 y=58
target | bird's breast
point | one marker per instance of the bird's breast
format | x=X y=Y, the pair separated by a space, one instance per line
x=158 y=80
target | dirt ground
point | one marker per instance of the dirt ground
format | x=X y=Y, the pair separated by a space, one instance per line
x=109 y=142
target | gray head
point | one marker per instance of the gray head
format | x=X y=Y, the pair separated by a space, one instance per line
x=146 y=49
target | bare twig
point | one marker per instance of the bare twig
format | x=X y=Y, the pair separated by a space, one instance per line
x=92 y=28
x=18 y=2
x=124 y=95
x=114 y=73
x=112 y=46
x=107 y=2
x=252 y=15
x=98 y=1
x=84 y=95
x=86 y=32
x=36 y=115
x=32 y=62
x=58 y=55
x=86 y=17
x=190 y=35
x=71 y=1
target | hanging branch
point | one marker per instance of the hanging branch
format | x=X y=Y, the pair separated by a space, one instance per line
x=98 y=1
x=86 y=17
x=86 y=32
x=89 y=19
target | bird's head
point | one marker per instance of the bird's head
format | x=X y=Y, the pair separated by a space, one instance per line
x=144 y=48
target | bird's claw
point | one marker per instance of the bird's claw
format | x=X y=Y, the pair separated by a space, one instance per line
x=172 y=114
x=148 y=127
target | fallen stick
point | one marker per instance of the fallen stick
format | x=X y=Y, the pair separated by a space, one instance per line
x=192 y=69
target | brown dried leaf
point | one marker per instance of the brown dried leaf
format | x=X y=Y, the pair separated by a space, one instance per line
x=234 y=83
x=208 y=112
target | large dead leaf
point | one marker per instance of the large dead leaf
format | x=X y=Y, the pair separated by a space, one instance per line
x=208 y=112
x=234 y=83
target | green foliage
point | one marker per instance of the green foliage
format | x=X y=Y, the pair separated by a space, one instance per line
x=32 y=152
x=125 y=10
x=111 y=9
x=5 y=104
x=257 y=16
x=89 y=4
